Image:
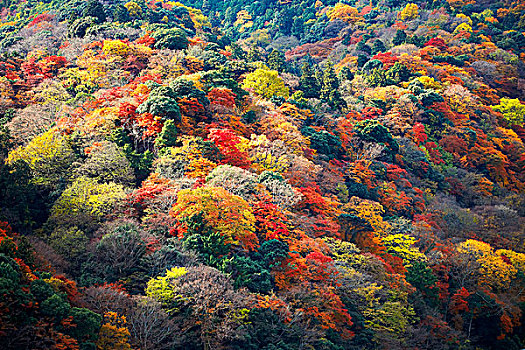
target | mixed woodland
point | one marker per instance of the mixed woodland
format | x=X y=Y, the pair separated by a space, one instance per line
x=272 y=174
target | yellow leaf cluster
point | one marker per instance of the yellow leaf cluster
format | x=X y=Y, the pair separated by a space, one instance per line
x=242 y=17
x=190 y=154
x=402 y=245
x=198 y=19
x=410 y=12
x=371 y=211
x=430 y=83
x=101 y=121
x=87 y=197
x=344 y=13
x=493 y=270
x=227 y=214
x=464 y=17
x=133 y=8
x=114 y=334
x=463 y=27
x=48 y=156
x=116 y=47
x=266 y=83
x=160 y=288
x=516 y=259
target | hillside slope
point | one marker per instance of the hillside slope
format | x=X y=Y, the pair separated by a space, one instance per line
x=262 y=175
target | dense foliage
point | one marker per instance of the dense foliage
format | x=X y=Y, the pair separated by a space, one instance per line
x=263 y=174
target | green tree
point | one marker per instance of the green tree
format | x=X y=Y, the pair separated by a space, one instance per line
x=172 y=38
x=168 y=135
x=107 y=163
x=373 y=131
x=398 y=73
x=248 y=273
x=298 y=26
x=80 y=26
x=121 y=14
x=400 y=37
x=378 y=46
x=185 y=88
x=362 y=46
x=254 y=55
x=308 y=82
x=70 y=242
x=330 y=88
x=421 y=276
x=161 y=102
x=285 y=21
x=20 y=203
x=378 y=77
x=96 y=10
x=324 y=142
x=209 y=244
x=362 y=59
x=88 y=324
x=276 y=60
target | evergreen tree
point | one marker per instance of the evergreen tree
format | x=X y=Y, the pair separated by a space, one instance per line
x=399 y=72
x=330 y=88
x=254 y=54
x=346 y=74
x=400 y=37
x=276 y=60
x=168 y=135
x=285 y=21
x=121 y=14
x=378 y=46
x=308 y=82
x=298 y=27
x=237 y=51
x=378 y=77
x=362 y=46
x=329 y=82
x=206 y=7
x=361 y=60
x=95 y=9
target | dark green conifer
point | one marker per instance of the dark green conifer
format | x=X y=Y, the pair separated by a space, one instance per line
x=308 y=82
x=254 y=54
x=95 y=9
x=400 y=37
x=276 y=60
x=168 y=135
x=330 y=88
x=378 y=47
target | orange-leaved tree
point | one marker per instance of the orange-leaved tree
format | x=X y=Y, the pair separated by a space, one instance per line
x=225 y=213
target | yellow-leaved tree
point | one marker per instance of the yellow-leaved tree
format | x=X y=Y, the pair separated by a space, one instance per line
x=266 y=83
x=492 y=269
x=345 y=13
x=512 y=109
x=85 y=202
x=114 y=333
x=410 y=12
x=48 y=156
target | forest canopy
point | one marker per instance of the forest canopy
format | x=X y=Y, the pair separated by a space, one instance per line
x=285 y=175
